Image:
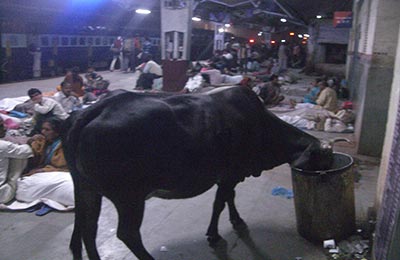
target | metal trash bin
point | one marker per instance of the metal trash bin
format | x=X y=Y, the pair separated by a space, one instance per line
x=324 y=201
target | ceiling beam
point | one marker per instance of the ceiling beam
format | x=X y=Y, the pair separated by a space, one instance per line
x=244 y=2
x=292 y=19
x=284 y=9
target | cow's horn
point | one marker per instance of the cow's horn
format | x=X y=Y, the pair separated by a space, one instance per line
x=339 y=139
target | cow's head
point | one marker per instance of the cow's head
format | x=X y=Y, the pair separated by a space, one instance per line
x=317 y=156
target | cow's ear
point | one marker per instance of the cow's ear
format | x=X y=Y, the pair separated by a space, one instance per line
x=303 y=160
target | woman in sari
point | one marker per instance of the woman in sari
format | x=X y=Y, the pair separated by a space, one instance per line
x=47 y=180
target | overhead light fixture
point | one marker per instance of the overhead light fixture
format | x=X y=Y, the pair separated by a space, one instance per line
x=260 y=34
x=318 y=16
x=306 y=35
x=227 y=25
x=196 y=19
x=291 y=33
x=300 y=35
x=143 y=11
x=283 y=20
x=221 y=30
x=283 y=40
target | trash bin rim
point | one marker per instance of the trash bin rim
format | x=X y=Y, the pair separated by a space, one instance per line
x=323 y=172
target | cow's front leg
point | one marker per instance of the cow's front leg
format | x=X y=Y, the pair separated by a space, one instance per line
x=218 y=207
x=130 y=216
x=237 y=222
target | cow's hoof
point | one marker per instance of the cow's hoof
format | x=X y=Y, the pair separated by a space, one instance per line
x=213 y=240
x=239 y=225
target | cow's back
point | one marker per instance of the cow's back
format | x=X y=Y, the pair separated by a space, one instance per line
x=182 y=143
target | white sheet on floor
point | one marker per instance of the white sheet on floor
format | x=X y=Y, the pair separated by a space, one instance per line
x=299 y=122
x=306 y=116
x=8 y=104
x=54 y=189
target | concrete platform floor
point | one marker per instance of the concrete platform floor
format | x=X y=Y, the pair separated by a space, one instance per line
x=175 y=229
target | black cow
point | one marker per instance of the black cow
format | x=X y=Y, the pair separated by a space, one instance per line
x=130 y=146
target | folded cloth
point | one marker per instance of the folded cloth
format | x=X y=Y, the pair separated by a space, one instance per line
x=17 y=114
x=10 y=124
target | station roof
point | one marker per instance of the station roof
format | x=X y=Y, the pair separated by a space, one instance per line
x=119 y=15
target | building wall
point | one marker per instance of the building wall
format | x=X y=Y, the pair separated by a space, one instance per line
x=370 y=72
x=329 y=34
x=388 y=228
x=322 y=32
x=235 y=30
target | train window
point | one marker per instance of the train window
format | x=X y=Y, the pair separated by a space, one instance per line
x=105 y=42
x=64 y=41
x=55 y=41
x=74 y=41
x=12 y=39
x=44 y=41
x=111 y=41
x=90 y=40
x=82 y=41
x=97 y=41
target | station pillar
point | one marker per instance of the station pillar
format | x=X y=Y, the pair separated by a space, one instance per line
x=219 y=35
x=176 y=30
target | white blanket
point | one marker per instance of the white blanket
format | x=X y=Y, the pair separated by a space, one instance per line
x=311 y=117
x=8 y=104
x=54 y=189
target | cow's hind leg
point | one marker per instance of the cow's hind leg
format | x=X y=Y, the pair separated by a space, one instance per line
x=87 y=212
x=76 y=238
x=130 y=216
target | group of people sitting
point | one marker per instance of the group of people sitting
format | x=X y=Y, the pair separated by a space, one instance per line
x=36 y=170
x=33 y=170
x=322 y=94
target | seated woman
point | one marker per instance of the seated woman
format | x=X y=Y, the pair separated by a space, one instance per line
x=312 y=95
x=72 y=76
x=47 y=179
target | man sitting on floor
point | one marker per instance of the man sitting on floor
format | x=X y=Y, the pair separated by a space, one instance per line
x=327 y=98
x=12 y=163
x=66 y=99
x=44 y=107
